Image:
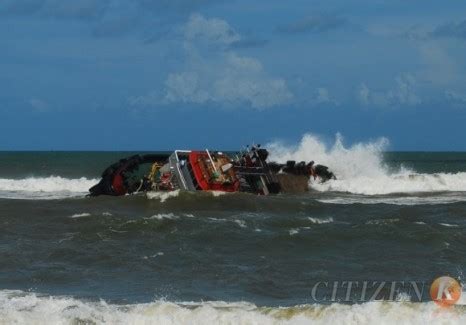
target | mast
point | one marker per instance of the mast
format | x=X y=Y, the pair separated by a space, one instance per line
x=212 y=162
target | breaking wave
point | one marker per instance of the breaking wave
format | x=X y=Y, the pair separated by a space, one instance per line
x=402 y=182
x=162 y=196
x=52 y=187
x=21 y=307
x=400 y=200
x=360 y=168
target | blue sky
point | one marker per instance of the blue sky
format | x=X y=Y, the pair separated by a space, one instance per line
x=153 y=75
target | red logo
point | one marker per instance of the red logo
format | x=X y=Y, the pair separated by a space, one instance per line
x=445 y=291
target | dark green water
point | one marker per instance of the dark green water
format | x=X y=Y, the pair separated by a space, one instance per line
x=380 y=223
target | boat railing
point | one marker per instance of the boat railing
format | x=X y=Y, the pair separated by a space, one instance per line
x=180 y=175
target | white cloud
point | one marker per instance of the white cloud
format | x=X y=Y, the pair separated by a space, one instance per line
x=439 y=68
x=363 y=94
x=186 y=87
x=324 y=97
x=213 y=30
x=213 y=73
x=454 y=96
x=236 y=79
x=404 y=93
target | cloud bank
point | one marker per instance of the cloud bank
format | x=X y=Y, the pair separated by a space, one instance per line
x=106 y=17
x=404 y=93
x=215 y=74
x=451 y=30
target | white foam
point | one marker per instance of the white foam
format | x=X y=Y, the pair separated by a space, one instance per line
x=161 y=216
x=52 y=187
x=240 y=223
x=218 y=193
x=383 y=221
x=294 y=231
x=320 y=221
x=401 y=182
x=29 y=308
x=448 y=225
x=360 y=168
x=80 y=215
x=163 y=196
x=410 y=200
x=217 y=219
x=145 y=257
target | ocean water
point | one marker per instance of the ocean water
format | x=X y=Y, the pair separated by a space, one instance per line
x=201 y=258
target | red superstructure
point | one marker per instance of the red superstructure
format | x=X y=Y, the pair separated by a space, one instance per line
x=196 y=170
x=213 y=172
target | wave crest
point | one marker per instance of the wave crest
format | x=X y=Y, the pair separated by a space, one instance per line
x=360 y=168
x=20 y=307
x=44 y=187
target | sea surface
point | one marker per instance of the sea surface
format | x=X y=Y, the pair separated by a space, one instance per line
x=203 y=258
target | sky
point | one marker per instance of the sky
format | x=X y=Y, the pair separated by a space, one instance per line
x=167 y=74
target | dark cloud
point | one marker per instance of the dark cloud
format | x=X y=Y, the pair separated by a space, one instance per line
x=451 y=30
x=83 y=9
x=447 y=30
x=89 y=9
x=314 y=24
x=107 y=17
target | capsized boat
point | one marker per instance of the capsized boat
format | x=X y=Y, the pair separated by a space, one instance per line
x=196 y=170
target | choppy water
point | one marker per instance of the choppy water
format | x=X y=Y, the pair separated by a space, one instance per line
x=202 y=257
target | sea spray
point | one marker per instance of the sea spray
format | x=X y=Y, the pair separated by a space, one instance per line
x=360 y=168
x=21 y=307
x=44 y=187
